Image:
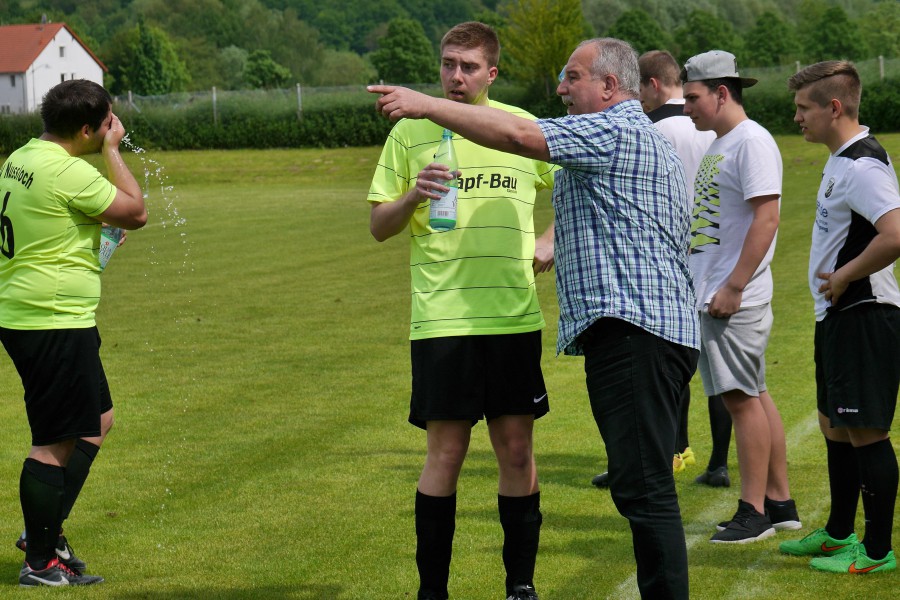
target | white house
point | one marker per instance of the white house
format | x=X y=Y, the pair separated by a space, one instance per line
x=34 y=58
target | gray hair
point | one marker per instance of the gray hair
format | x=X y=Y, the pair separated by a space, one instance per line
x=616 y=57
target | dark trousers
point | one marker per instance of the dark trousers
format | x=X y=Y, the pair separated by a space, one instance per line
x=634 y=381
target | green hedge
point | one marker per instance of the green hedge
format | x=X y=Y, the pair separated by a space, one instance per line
x=267 y=125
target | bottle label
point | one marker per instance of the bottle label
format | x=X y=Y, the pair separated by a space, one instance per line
x=109 y=241
x=442 y=215
x=446 y=204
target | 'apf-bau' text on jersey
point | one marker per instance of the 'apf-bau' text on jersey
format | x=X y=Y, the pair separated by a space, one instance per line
x=49 y=266
x=859 y=185
x=476 y=279
x=741 y=165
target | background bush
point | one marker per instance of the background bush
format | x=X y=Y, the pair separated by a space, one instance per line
x=267 y=120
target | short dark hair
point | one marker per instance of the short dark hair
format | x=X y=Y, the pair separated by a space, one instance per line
x=473 y=34
x=659 y=65
x=72 y=104
x=735 y=89
x=831 y=79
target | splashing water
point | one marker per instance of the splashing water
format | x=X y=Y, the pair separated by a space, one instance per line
x=155 y=178
x=161 y=201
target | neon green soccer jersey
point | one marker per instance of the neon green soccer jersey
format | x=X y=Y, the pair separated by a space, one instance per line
x=476 y=279
x=49 y=266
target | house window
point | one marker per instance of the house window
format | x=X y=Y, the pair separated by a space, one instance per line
x=12 y=81
x=62 y=77
x=62 y=51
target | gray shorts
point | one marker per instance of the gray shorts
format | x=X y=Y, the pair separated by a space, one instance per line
x=733 y=351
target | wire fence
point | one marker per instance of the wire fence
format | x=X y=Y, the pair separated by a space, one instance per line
x=300 y=98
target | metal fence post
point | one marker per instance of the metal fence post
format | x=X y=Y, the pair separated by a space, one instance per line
x=299 y=104
x=215 y=108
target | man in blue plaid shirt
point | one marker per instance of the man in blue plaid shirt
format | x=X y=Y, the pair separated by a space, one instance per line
x=623 y=282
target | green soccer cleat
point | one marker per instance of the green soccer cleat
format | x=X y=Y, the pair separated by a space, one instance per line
x=854 y=562
x=819 y=543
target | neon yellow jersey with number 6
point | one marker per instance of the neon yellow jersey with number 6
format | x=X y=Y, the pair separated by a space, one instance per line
x=49 y=266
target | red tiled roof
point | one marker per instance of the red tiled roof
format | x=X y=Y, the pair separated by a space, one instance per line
x=20 y=45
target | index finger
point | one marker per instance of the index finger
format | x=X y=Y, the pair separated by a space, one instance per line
x=380 y=89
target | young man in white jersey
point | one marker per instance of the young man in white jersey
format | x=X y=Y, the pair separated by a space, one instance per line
x=737 y=195
x=475 y=331
x=855 y=242
x=52 y=206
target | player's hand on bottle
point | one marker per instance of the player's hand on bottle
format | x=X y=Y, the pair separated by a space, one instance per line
x=431 y=179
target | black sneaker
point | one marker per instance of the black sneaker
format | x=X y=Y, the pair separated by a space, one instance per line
x=54 y=574
x=601 y=480
x=63 y=551
x=747 y=525
x=783 y=514
x=715 y=478
x=522 y=592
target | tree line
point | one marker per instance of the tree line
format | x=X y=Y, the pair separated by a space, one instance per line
x=155 y=47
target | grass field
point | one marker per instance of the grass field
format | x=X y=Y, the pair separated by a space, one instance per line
x=254 y=335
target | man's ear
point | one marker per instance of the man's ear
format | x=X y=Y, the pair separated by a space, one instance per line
x=492 y=75
x=610 y=86
x=837 y=109
x=722 y=94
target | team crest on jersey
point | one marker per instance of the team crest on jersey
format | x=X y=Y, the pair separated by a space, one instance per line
x=829 y=188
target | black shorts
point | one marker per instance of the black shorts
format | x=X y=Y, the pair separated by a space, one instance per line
x=857 y=354
x=477 y=376
x=65 y=387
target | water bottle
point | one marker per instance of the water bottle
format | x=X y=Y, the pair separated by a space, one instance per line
x=442 y=216
x=109 y=241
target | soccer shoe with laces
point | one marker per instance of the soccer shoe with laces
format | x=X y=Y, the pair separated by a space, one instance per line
x=819 y=543
x=678 y=464
x=63 y=551
x=54 y=574
x=747 y=525
x=522 y=592
x=854 y=562
x=783 y=515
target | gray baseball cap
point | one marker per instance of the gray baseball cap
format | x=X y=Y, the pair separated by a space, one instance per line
x=715 y=64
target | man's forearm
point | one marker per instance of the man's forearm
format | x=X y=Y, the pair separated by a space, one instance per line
x=486 y=126
x=390 y=218
x=119 y=174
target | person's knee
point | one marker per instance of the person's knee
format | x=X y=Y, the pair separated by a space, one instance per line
x=517 y=454
x=448 y=455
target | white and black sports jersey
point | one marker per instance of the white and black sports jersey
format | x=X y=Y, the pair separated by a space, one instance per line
x=858 y=186
x=690 y=144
